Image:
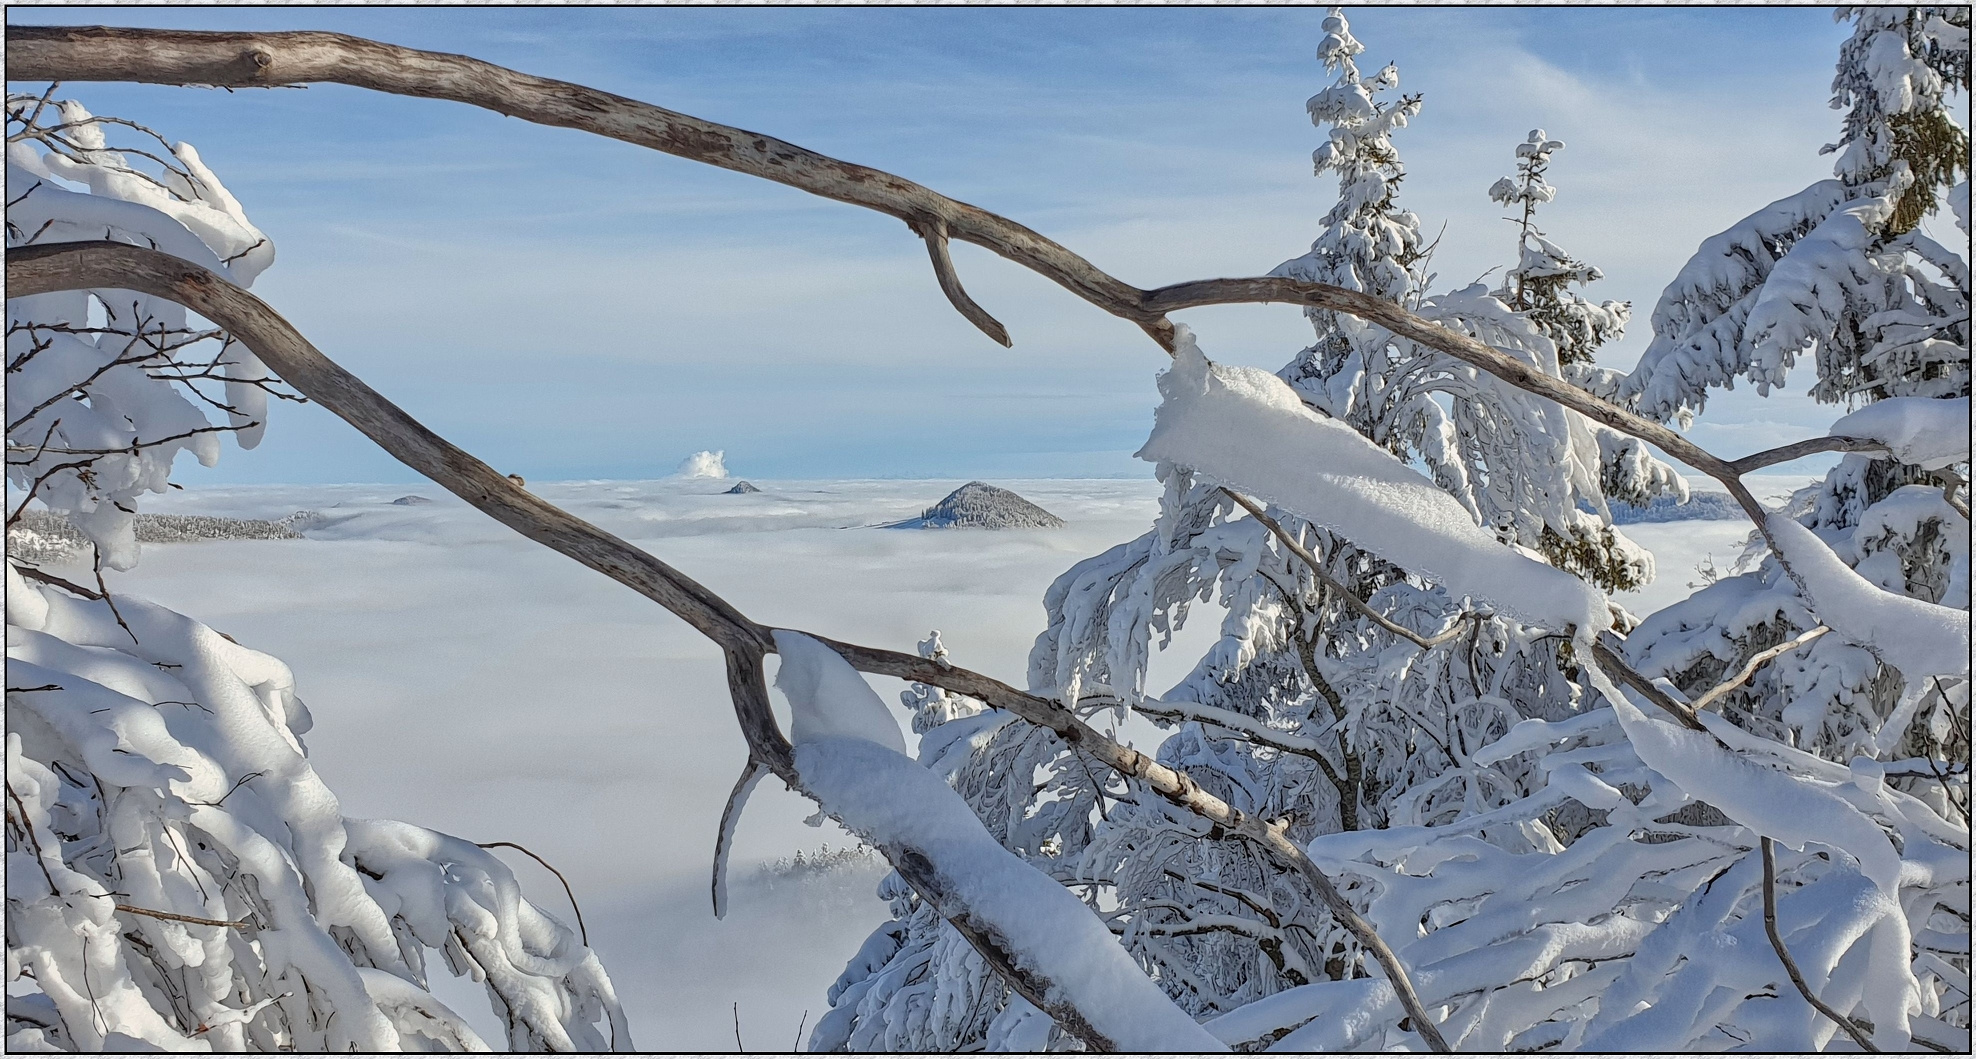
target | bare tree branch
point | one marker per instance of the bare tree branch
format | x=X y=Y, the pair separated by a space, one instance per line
x=1608 y=659
x=266 y=60
x=34 y=574
x=1786 y=453
x=1707 y=698
x=237 y=924
x=935 y=233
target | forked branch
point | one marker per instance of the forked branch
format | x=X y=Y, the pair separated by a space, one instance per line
x=934 y=231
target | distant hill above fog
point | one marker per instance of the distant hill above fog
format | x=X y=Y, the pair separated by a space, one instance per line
x=983 y=506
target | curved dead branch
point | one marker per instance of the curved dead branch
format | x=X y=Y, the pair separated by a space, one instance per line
x=267 y=60
x=1707 y=698
x=934 y=231
x=83 y=266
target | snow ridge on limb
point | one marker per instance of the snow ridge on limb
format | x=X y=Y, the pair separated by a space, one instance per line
x=1919 y=638
x=1247 y=428
x=868 y=784
x=1930 y=433
x=908 y=812
x=827 y=698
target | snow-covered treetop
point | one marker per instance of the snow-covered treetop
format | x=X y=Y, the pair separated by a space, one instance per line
x=1528 y=185
x=1840 y=268
x=1364 y=233
x=1537 y=282
x=1892 y=79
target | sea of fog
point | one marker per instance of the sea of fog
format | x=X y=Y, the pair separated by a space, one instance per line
x=471 y=681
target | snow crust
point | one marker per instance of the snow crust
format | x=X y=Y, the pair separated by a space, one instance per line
x=1928 y=431
x=899 y=805
x=1247 y=428
x=828 y=699
x=1919 y=638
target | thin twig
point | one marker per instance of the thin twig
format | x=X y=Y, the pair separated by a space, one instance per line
x=238 y=924
x=34 y=574
x=103 y=588
x=1750 y=667
x=27 y=826
x=1784 y=954
x=237 y=784
x=580 y=929
x=804 y=1021
x=738 y=1046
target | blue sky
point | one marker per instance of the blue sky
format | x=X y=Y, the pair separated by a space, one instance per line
x=572 y=307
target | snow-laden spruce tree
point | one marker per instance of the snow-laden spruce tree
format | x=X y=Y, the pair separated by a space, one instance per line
x=1539 y=283
x=178 y=876
x=1884 y=308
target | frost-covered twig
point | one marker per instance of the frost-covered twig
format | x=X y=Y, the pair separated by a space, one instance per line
x=1791 y=965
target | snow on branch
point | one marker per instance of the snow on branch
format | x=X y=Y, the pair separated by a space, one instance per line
x=194 y=883
x=1919 y=638
x=1928 y=432
x=1248 y=429
x=912 y=816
